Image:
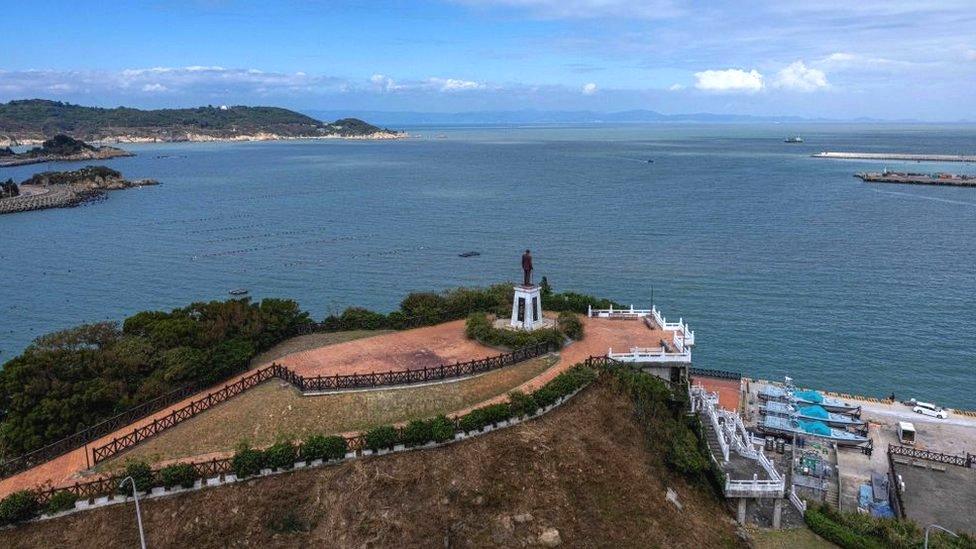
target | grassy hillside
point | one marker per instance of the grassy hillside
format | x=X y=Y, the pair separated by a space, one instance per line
x=40 y=118
x=588 y=470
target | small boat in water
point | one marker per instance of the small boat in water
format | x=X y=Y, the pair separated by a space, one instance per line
x=239 y=291
x=791 y=395
x=469 y=254
x=814 y=412
x=775 y=425
x=794 y=139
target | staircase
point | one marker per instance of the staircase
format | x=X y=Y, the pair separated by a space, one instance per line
x=711 y=437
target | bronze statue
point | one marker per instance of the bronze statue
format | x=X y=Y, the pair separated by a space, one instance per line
x=527 y=268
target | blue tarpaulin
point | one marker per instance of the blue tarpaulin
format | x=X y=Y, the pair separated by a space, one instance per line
x=815 y=428
x=809 y=396
x=815 y=411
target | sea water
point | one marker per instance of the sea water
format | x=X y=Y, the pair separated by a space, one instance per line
x=783 y=264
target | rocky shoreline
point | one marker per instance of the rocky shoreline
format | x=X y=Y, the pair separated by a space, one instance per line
x=60 y=148
x=8 y=141
x=67 y=189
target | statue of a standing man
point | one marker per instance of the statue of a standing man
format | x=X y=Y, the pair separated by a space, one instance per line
x=527 y=267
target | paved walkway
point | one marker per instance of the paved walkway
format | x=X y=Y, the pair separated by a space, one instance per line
x=400 y=350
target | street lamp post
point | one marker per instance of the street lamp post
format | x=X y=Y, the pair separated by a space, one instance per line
x=930 y=526
x=142 y=536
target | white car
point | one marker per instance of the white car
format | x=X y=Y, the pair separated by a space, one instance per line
x=927 y=409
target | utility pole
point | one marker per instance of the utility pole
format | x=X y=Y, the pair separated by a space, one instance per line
x=135 y=495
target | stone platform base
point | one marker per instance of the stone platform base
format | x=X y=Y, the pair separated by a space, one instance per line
x=505 y=324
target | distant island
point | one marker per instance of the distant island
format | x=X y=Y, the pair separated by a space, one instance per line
x=31 y=121
x=59 y=148
x=63 y=189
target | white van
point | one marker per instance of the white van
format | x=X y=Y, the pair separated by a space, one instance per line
x=931 y=410
x=906 y=432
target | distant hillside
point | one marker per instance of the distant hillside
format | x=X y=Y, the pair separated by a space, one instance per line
x=33 y=120
x=530 y=116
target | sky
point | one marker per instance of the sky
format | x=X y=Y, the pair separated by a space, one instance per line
x=845 y=59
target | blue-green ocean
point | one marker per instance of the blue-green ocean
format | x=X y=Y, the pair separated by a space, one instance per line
x=783 y=264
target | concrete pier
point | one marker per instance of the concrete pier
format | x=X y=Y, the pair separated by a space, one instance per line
x=897 y=156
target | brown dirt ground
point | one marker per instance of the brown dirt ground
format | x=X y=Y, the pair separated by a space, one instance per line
x=584 y=469
x=311 y=341
x=409 y=349
x=276 y=409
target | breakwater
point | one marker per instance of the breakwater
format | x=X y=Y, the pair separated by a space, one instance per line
x=898 y=156
x=950 y=180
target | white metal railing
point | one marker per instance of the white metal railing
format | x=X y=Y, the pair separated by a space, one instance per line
x=713 y=419
x=754 y=485
x=651 y=354
x=800 y=505
x=686 y=335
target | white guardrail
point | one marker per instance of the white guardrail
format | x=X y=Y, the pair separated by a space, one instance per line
x=755 y=485
x=651 y=354
x=682 y=332
x=800 y=505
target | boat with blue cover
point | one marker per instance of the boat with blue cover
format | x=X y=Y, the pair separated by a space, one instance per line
x=808 y=428
x=791 y=395
x=813 y=412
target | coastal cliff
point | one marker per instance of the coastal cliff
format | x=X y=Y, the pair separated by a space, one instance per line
x=58 y=149
x=64 y=189
x=28 y=122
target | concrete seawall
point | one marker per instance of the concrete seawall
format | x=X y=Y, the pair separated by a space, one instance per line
x=897 y=156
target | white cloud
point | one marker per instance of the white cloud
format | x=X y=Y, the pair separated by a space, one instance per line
x=797 y=76
x=589 y=88
x=454 y=85
x=675 y=87
x=729 y=80
x=383 y=82
x=971 y=55
x=152 y=88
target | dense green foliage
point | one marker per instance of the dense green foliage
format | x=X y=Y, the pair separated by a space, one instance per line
x=86 y=174
x=69 y=380
x=856 y=530
x=247 y=461
x=178 y=474
x=324 y=447
x=570 y=325
x=441 y=429
x=18 y=507
x=61 y=501
x=382 y=437
x=59 y=145
x=36 y=117
x=280 y=455
x=425 y=309
x=141 y=473
x=479 y=327
x=661 y=413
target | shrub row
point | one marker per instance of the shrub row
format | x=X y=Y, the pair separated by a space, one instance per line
x=249 y=461
x=480 y=328
x=851 y=530
x=441 y=429
x=826 y=528
x=428 y=308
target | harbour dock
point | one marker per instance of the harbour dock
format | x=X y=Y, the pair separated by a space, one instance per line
x=897 y=156
x=945 y=179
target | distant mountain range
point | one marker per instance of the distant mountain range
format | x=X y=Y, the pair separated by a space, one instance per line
x=33 y=120
x=400 y=119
